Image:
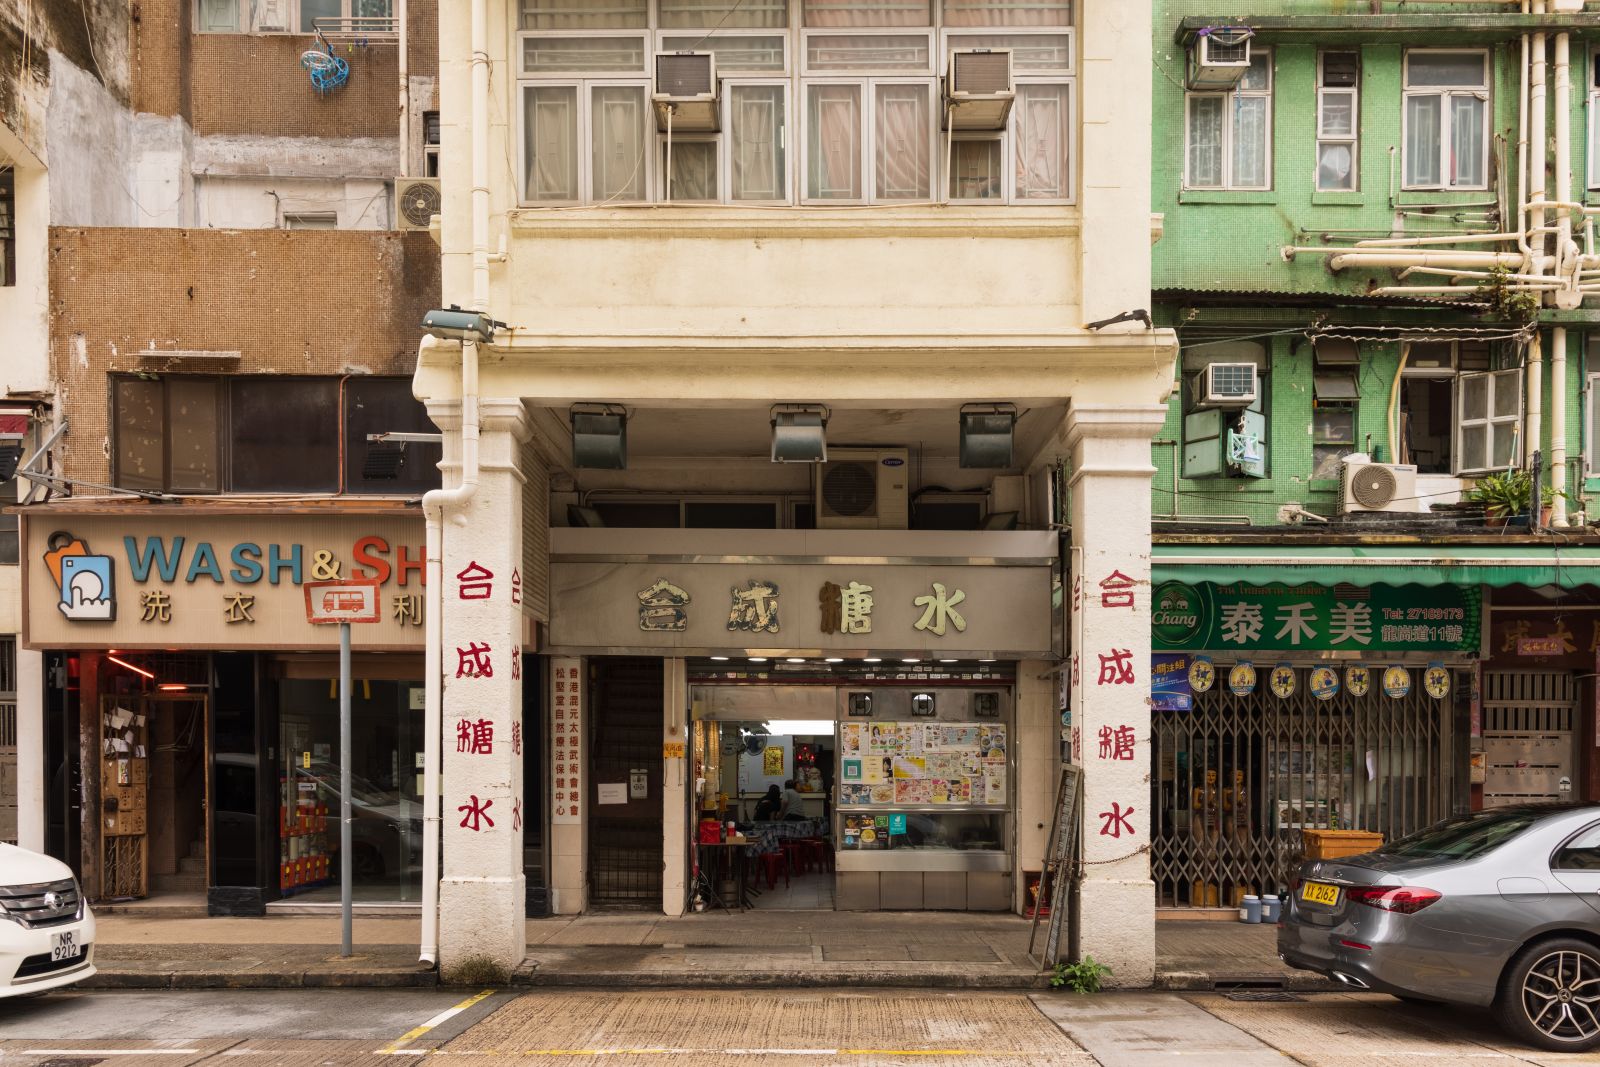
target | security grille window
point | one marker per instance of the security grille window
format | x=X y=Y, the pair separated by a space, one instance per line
x=1490 y=420
x=288 y=16
x=1594 y=119
x=1446 y=121
x=1338 y=120
x=8 y=230
x=1229 y=134
x=8 y=523
x=1592 y=398
x=249 y=434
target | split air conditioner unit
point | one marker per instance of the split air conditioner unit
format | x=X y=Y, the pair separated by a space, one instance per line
x=1219 y=59
x=1369 y=486
x=978 y=92
x=1226 y=385
x=416 y=202
x=686 y=92
x=863 y=489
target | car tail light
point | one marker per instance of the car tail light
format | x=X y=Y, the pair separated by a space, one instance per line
x=1407 y=900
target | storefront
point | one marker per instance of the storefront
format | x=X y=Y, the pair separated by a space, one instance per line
x=1334 y=687
x=873 y=712
x=194 y=710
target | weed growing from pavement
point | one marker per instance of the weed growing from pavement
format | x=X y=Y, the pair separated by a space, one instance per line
x=1083 y=976
x=475 y=971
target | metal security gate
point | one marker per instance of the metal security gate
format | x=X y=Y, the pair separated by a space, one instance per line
x=1527 y=736
x=1238 y=778
x=625 y=739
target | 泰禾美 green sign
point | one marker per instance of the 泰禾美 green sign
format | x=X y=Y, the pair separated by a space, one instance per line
x=1283 y=617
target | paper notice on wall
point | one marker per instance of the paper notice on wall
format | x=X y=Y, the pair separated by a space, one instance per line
x=613 y=793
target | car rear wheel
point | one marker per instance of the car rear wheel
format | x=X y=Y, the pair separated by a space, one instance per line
x=1550 y=996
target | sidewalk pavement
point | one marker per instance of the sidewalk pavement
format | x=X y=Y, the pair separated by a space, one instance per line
x=780 y=949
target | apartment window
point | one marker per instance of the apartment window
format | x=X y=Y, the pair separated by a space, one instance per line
x=1490 y=422
x=1031 y=159
x=1594 y=119
x=430 y=144
x=8 y=229
x=386 y=405
x=1338 y=120
x=310 y=220
x=283 y=16
x=1446 y=121
x=8 y=523
x=1592 y=398
x=584 y=15
x=248 y=434
x=1333 y=436
x=1229 y=135
x=1443 y=392
x=855 y=13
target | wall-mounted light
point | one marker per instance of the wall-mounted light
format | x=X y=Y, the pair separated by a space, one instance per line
x=454 y=324
x=136 y=670
x=599 y=436
x=799 y=433
x=988 y=432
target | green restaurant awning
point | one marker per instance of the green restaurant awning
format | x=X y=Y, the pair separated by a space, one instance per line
x=1492 y=565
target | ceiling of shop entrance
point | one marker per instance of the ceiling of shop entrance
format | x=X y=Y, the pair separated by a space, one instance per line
x=747 y=432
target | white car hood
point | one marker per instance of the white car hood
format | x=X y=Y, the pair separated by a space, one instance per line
x=18 y=866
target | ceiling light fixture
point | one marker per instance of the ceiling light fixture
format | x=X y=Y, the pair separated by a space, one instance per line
x=131 y=667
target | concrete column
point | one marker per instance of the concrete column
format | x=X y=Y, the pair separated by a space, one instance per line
x=676 y=789
x=1114 y=901
x=1115 y=103
x=482 y=901
x=31 y=776
x=569 y=837
x=1037 y=757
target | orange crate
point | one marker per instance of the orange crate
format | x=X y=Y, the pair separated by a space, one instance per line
x=1336 y=844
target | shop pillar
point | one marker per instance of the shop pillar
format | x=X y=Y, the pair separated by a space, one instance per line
x=677 y=792
x=1036 y=752
x=1114 y=899
x=569 y=837
x=482 y=900
x=30 y=750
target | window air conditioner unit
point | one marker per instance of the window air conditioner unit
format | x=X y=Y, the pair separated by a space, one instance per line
x=1218 y=59
x=1226 y=385
x=978 y=92
x=686 y=91
x=1369 y=486
x=863 y=489
x=416 y=202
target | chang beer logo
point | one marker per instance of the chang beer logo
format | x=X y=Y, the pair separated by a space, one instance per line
x=85 y=583
x=1177 y=614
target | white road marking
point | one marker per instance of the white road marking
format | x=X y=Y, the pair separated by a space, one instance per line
x=105 y=1052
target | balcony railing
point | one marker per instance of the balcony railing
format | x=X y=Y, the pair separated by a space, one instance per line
x=359 y=28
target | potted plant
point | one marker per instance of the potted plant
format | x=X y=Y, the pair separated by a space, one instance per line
x=1503 y=495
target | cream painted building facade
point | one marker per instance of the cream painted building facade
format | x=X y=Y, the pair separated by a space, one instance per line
x=829 y=244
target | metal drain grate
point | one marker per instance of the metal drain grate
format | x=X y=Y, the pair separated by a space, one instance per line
x=1263 y=996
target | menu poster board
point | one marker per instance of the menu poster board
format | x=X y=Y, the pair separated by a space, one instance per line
x=922 y=763
x=869 y=831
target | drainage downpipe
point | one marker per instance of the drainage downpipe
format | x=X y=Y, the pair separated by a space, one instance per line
x=405 y=90
x=1538 y=184
x=436 y=501
x=1564 y=249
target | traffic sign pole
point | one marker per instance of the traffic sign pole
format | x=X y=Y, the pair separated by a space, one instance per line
x=346 y=896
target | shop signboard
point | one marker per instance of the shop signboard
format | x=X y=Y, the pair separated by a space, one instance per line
x=1315 y=618
x=222 y=581
x=1543 y=640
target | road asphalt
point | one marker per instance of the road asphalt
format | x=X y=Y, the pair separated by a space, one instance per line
x=754 y=1028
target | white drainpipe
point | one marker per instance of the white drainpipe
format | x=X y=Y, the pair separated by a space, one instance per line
x=435 y=501
x=1565 y=250
x=405 y=91
x=1558 y=425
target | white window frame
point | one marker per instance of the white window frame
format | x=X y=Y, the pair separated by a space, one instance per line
x=803 y=60
x=1352 y=140
x=549 y=76
x=1594 y=119
x=1591 y=408
x=1228 y=97
x=584 y=146
x=1490 y=420
x=659 y=42
x=246 y=24
x=1065 y=75
x=723 y=139
x=868 y=140
x=1483 y=91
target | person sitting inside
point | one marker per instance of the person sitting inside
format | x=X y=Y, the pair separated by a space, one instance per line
x=767 y=807
x=794 y=805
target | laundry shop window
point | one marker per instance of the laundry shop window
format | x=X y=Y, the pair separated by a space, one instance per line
x=386 y=405
x=250 y=434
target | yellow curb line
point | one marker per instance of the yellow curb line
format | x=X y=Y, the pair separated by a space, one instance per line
x=393 y=1048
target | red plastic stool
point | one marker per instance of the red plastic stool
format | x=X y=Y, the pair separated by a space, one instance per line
x=815 y=852
x=794 y=856
x=773 y=862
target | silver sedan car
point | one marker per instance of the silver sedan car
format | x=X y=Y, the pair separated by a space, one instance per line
x=1496 y=909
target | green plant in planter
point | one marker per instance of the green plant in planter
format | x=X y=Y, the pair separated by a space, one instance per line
x=1504 y=493
x=1084 y=976
x=1504 y=304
